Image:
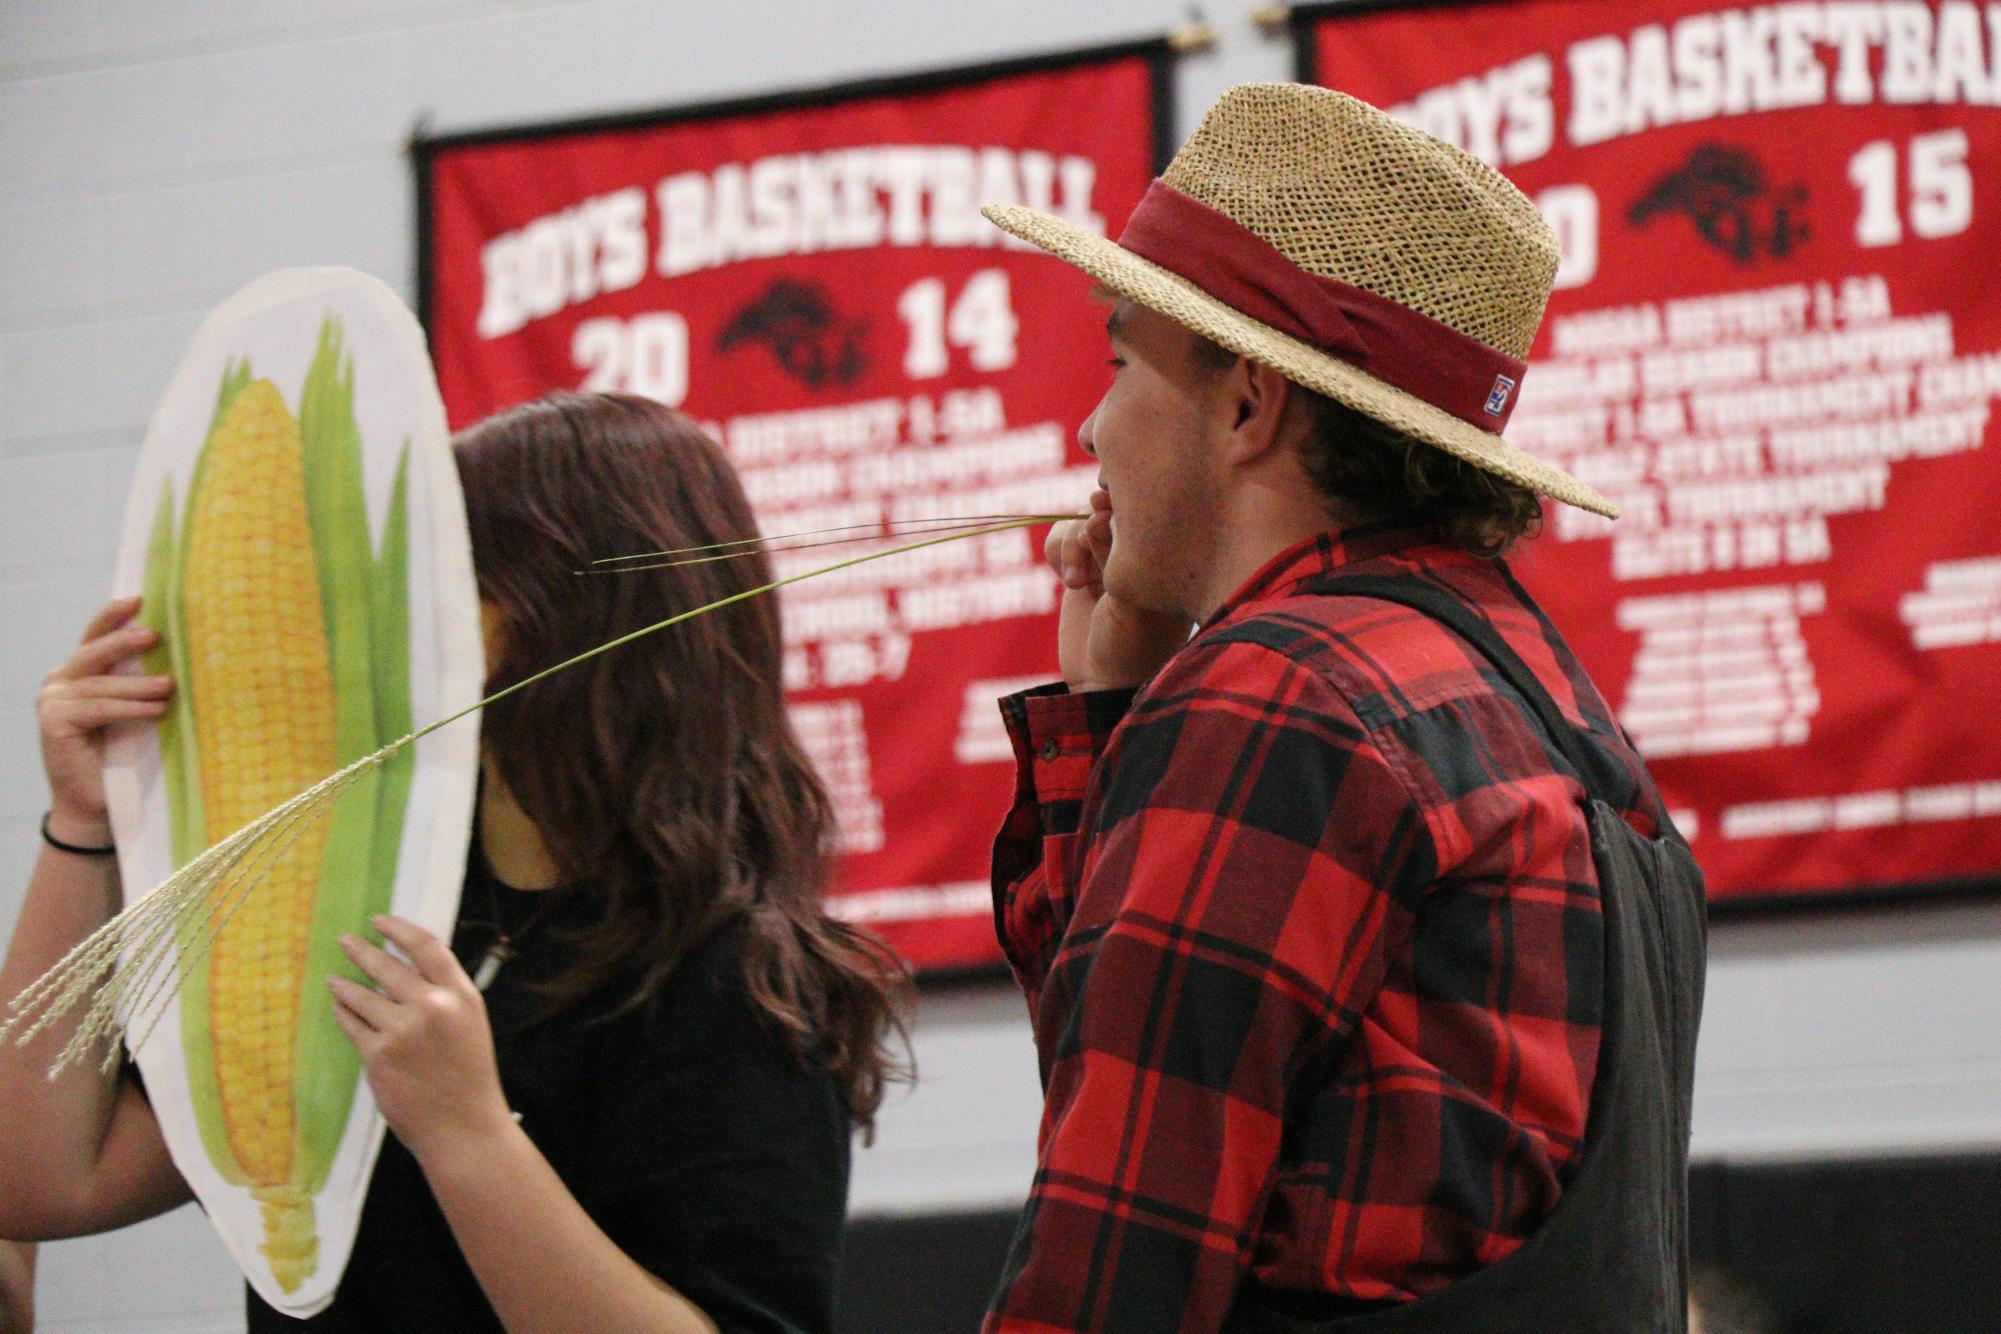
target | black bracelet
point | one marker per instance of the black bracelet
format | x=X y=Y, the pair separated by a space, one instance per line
x=61 y=846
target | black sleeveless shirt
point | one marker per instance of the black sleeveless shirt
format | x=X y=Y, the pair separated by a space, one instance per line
x=687 y=1130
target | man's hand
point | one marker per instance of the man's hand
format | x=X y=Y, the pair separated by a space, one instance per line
x=1103 y=643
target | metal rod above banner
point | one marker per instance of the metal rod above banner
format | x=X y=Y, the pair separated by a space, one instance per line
x=1191 y=38
x=1272 y=19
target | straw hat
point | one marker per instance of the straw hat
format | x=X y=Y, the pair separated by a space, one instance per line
x=1349 y=252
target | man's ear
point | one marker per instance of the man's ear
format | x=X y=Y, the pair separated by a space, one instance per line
x=1258 y=399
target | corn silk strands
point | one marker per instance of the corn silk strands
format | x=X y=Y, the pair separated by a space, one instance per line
x=123 y=975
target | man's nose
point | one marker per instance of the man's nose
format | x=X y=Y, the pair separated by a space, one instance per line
x=1087 y=431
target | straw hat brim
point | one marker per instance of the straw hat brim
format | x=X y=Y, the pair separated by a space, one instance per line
x=1125 y=273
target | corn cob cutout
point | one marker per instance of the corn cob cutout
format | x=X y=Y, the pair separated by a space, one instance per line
x=290 y=636
x=287 y=760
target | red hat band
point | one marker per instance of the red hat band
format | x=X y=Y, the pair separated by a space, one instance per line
x=1393 y=343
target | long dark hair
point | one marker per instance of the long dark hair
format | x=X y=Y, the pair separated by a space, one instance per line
x=664 y=772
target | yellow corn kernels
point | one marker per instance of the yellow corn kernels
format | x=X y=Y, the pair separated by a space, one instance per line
x=266 y=730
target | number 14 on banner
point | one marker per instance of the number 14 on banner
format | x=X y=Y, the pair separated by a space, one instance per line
x=981 y=321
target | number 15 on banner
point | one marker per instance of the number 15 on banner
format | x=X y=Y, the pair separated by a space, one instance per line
x=1941 y=189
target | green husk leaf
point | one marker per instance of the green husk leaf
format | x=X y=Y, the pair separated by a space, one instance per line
x=389 y=621
x=327 y=1065
x=235 y=374
x=161 y=611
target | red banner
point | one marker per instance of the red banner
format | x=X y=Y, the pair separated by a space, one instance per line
x=1775 y=345
x=810 y=278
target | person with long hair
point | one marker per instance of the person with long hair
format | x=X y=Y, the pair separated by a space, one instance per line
x=622 y=1094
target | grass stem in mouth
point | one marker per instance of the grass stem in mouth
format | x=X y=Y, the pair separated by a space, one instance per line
x=800 y=546
x=959 y=536
x=867 y=532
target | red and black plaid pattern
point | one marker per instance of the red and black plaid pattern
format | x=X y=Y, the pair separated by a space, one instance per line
x=1310 y=936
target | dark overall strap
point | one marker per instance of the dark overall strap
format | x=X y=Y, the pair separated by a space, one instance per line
x=1585 y=761
x=1612 y=1257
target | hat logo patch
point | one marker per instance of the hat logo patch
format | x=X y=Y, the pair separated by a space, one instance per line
x=1497 y=401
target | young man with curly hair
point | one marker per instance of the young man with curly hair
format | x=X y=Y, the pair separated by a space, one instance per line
x=1363 y=960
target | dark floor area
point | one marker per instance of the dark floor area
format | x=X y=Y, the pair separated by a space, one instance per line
x=1896 y=1246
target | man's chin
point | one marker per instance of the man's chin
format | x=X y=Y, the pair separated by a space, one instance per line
x=1114 y=579
x=1135 y=592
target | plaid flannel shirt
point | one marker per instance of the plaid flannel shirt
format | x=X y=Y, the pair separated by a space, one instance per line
x=1311 y=941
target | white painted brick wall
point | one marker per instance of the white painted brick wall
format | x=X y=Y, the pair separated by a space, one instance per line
x=155 y=154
